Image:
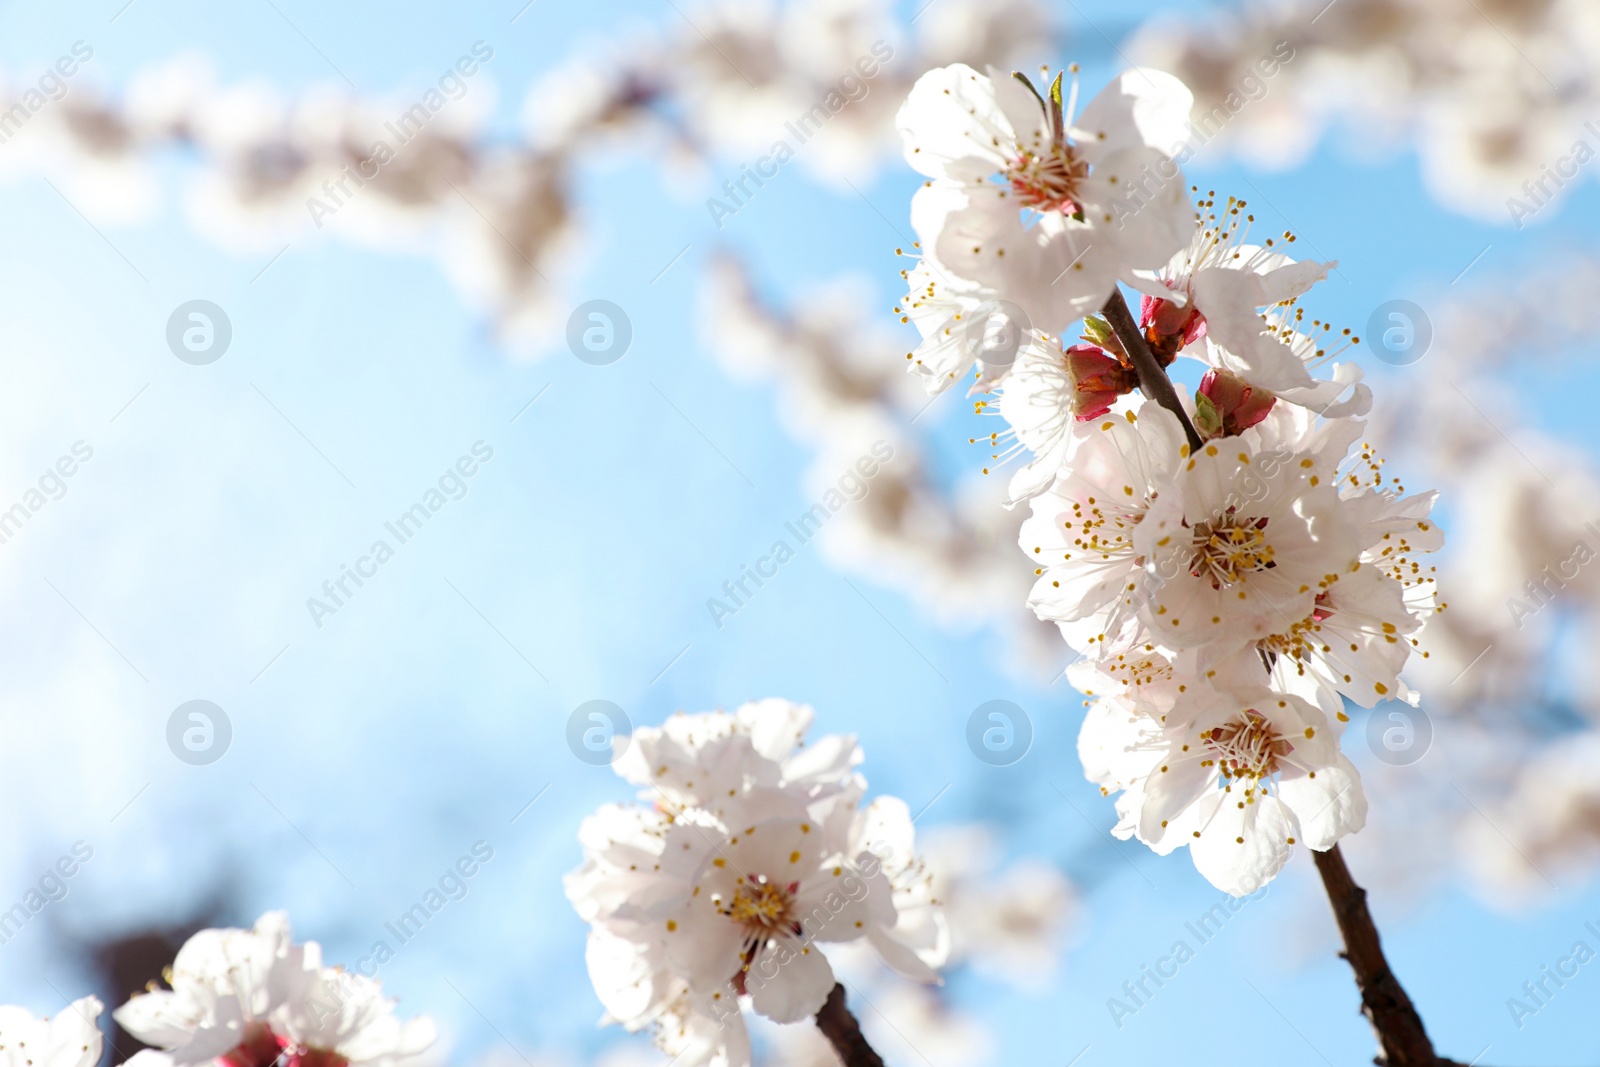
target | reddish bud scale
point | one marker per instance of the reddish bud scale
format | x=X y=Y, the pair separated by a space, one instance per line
x=1241 y=405
x=1098 y=380
x=1169 y=327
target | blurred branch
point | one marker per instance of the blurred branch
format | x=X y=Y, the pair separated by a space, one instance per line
x=844 y=1033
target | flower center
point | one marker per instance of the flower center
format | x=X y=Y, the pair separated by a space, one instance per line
x=762 y=907
x=1248 y=747
x=1048 y=181
x=1300 y=641
x=260 y=1048
x=1106 y=529
x=1136 y=671
x=1227 y=547
x=1297 y=643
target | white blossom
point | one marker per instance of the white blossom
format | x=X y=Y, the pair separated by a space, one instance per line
x=1239 y=776
x=753 y=855
x=1079 y=197
x=251 y=997
x=71 y=1038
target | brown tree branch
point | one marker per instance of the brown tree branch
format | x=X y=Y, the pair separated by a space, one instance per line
x=844 y=1033
x=1401 y=1036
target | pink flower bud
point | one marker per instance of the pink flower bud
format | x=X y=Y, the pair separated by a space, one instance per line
x=1241 y=406
x=1169 y=327
x=1097 y=380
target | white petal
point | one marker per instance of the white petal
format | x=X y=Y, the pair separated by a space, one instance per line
x=1242 y=846
x=950 y=122
x=776 y=727
x=1328 y=806
x=789 y=981
x=1138 y=200
x=1141 y=106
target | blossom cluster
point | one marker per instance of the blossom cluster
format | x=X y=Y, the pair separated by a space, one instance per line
x=1231 y=566
x=1495 y=101
x=236 y=998
x=421 y=173
x=955 y=553
x=749 y=856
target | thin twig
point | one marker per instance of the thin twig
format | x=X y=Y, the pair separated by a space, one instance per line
x=844 y=1033
x=1401 y=1036
x=1153 y=380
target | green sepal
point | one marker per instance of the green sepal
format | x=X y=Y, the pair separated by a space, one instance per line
x=1058 y=125
x=1207 y=416
x=1097 y=331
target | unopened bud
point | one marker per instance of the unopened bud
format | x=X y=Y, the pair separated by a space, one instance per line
x=1098 y=380
x=1236 y=406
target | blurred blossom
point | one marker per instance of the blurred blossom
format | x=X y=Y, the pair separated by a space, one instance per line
x=1494 y=95
x=1545 y=830
x=403 y=173
x=906 y=1024
x=916 y=1025
x=842 y=383
x=797 y=1046
x=1010 y=925
x=501 y=216
x=70 y=1039
x=1507 y=681
x=250 y=997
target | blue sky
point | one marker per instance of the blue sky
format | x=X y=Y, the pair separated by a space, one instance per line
x=426 y=714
